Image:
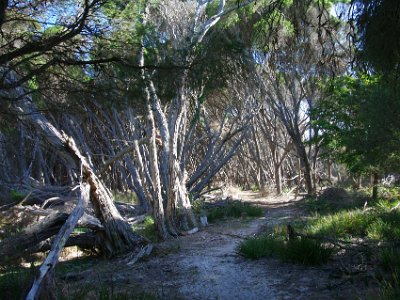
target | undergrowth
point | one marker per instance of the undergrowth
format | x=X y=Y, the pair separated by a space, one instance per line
x=148 y=229
x=234 y=209
x=105 y=292
x=328 y=206
x=15 y=281
x=299 y=250
x=377 y=225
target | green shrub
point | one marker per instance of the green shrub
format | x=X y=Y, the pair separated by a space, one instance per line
x=215 y=214
x=389 y=193
x=333 y=200
x=386 y=204
x=198 y=207
x=104 y=292
x=75 y=265
x=254 y=211
x=254 y=188
x=127 y=197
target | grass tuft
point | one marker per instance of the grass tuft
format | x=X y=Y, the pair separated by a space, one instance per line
x=344 y=224
x=302 y=251
x=306 y=252
x=234 y=209
x=390 y=259
x=391 y=288
x=262 y=246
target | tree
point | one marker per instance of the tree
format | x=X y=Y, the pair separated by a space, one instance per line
x=26 y=54
x=31 y=44
x=359 y=121
x=303 y=53
x=168 y=170
x=377 y=27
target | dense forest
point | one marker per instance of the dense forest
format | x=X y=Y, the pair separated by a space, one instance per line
x=121 y=115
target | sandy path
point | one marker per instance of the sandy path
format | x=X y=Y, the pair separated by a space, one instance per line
x=206 y=265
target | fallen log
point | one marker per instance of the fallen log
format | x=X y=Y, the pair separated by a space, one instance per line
x=39 y=238
x=14 y=247
x=85 y=241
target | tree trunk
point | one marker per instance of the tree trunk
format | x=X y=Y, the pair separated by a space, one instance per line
x=329 y=171
x=278 y=179
x=158 y=206
x=375 y=186
x=117 y=236
x=307 y=171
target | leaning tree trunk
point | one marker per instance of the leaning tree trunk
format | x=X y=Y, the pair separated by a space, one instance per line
x=117 y=236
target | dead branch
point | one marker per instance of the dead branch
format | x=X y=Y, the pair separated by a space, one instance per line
x=59 y=242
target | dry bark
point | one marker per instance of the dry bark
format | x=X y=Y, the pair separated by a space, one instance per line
x=47 y=268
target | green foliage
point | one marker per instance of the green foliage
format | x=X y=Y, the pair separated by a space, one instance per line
x=261 y=246
x=306 y=252
x=75 y=265
x=234 y=209
x=377 y=223
x=390 y=262
x=360 y=124
x=16 y=196
x=302 y=250
x=378 y=25
x=386 y=226
x=148 y=229
x=324 y=206
x=198 y=207
x=343 y=224
x=390 y=259
x=105 y=292
x=390 y=195
x=391 y=288
x=52 y=30
x=254 y=188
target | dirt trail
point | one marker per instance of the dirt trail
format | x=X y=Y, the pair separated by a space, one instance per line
x=206 y=265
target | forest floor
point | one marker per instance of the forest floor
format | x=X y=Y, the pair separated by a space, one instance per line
x=206 y=265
